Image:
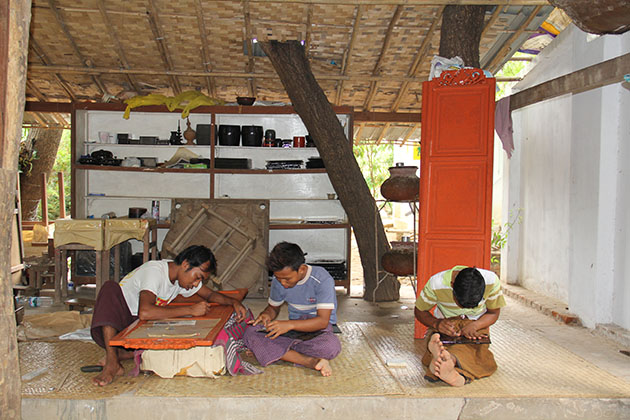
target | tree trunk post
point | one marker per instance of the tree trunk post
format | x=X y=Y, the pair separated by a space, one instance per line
x=15 y=17
x=461 y=33
x=311 y=104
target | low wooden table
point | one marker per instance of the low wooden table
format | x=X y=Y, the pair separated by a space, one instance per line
x=137 y=335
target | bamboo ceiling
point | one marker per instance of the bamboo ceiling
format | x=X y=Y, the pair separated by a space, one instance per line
x=369 y=54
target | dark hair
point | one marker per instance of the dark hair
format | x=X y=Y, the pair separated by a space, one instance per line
x=197 y=255
x=468 y=287
x=285 y=254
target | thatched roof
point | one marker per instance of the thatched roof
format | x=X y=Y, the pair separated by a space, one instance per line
x=368 y=54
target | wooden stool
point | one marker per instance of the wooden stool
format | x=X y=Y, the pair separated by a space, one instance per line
x=61 y=268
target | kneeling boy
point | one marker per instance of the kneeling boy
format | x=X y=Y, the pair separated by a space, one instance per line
x=468 y=301
x=310 y=294
x=145 y=292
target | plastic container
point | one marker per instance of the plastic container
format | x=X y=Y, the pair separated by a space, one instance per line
x=35 y=301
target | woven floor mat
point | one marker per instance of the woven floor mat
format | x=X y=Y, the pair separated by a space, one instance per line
x=357 y=371
x=60 y=365
x=529 y=366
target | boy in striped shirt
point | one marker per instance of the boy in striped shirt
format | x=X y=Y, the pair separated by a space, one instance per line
x=467 y=300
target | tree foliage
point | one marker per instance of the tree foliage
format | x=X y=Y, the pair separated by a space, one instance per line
x=374 y=161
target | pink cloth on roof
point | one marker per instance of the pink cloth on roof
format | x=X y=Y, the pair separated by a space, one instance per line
x=503 y=124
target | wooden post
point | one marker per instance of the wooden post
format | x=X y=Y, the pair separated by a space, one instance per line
x=62 y=196
x=45 y=200
x=15 y=17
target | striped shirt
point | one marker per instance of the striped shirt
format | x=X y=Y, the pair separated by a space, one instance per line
x=315 y=291
x=439 y=292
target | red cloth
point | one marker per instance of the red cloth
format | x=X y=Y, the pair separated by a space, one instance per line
x=110 y=309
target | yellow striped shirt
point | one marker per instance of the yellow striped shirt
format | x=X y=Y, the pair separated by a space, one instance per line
x=438 y=291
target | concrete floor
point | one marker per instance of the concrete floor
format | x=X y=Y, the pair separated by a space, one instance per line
x=181 y=399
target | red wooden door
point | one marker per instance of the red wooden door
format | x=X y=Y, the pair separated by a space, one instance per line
x=456 y=174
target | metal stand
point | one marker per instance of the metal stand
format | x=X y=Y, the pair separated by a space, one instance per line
x=413 y=205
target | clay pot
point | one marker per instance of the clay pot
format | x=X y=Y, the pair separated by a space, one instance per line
x=400 y=259
x=189 y=134
x=402 y=185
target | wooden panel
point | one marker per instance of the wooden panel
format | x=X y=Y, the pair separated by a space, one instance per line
x=456 y=174
x=237 y=232
x=455 y=210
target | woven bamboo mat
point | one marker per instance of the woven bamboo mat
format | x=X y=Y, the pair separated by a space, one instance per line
x=529 y=365
x=357 y=371
x=61 y=376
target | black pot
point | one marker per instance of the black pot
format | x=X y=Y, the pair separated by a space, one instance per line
x=270 y=134
x=252 y=135
x=229 y=135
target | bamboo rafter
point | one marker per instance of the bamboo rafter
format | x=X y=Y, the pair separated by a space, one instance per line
x=95 y=78
x=507 y=46
x=154 y=23
x=381 y=136
x=40 y=53
x=117 y=45
x=251 y=82
x=410 y=132
x=420 y=55
x=348 y=53
x=379 y=61
x=201 y=24
x=308 y=31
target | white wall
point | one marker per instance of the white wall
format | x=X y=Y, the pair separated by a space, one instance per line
x=569 y=178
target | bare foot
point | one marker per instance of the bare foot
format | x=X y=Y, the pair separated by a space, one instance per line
x=444 y=368
x=108 y=374
x=324 y=367
x=435 y=347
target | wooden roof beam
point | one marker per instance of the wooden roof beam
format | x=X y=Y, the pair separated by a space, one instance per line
x=40 y=53
x=495 y=15
x=592 y=77
x=205 y=54
x=357 y=136
x=309 y=31
x=507 y=46
x=117 y=45
x=409 y=133
x=154 y=23
x=379 y=62
x=196 y=73
x=42 y=98
x=420 y=55
x=348 y=53
x=88 y=63
x=251 y=83
x=414 y=2
x=381 y=136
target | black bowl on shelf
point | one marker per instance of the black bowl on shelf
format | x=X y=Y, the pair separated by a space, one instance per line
x=245 y=100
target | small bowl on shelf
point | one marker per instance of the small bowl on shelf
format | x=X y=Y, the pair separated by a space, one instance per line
x=245 y=100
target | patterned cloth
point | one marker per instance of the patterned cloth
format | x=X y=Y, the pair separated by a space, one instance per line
x=267 y=351
x=438 y=291
x=231 y=339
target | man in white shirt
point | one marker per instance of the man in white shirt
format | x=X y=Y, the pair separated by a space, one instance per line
x=145 y=293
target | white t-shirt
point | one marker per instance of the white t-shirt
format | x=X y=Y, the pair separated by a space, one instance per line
x=152 y=276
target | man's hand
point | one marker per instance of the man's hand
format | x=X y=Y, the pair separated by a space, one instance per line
x=199 y=308
x=470 y=331
x=241 y=311
x=276 y=328
x=263 y=319
x=447 y=327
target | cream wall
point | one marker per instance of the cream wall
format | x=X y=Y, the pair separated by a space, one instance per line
x=569 y=177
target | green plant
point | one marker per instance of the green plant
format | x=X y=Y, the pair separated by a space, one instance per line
x=374 y=161
x=500 y=232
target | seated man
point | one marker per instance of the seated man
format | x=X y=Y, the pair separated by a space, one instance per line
x=468 y=301
x=145 y=292
x=310 y=294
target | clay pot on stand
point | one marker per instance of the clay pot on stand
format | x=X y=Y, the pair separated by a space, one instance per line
x=189 y=134
x=402 y=185
x=400 y=259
